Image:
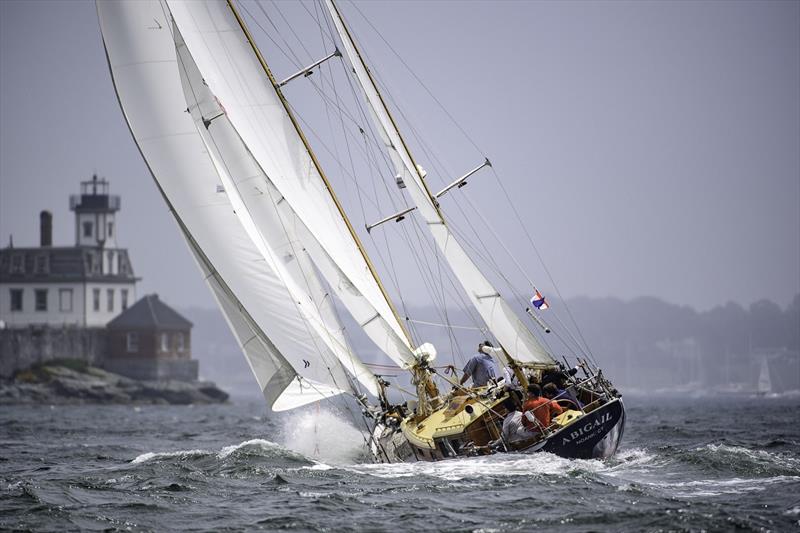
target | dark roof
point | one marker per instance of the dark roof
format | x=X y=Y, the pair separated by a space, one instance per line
x=149 y=313
x=61 y=264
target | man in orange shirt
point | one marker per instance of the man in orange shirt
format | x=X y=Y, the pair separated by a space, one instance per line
x=538 y=408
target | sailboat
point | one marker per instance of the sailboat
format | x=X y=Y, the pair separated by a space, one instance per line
x=279 y=252
x=764 y=379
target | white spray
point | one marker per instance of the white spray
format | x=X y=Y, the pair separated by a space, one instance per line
x=324 y=436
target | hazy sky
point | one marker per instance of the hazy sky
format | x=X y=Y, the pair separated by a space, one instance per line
x=654 y=148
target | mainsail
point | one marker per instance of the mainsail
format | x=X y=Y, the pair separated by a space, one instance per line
x=291 y=364
x=501 y=320
x=247 y=98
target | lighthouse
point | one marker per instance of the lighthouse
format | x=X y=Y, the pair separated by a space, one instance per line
x=85 y=285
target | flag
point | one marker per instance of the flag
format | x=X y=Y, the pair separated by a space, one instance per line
x=538 y=301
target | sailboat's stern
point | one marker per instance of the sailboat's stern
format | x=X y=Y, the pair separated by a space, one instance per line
x=595 y=435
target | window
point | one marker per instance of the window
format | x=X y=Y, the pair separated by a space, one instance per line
x=124 y=298
x=110 y=226
x=179 y=342
x=87 y=229
x=165 y=342
x=41 y=299
x=90 y=262
x=132 y=342
x=110 y=261
x=17 y=264
x=41 y=264
x=96 y=299
x=16 y=299
x=110 y=295
x=65 y=300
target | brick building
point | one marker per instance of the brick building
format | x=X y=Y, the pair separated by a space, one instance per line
x=150 y=340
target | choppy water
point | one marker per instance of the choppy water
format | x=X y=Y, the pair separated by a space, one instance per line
x=684 y=465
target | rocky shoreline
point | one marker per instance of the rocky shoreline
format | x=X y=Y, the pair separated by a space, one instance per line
x=78 y=384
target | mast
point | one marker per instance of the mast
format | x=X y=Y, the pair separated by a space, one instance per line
x=318 y=167
x=516 y=340
x=383 y=104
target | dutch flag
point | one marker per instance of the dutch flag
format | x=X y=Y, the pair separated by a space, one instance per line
x=538 y=301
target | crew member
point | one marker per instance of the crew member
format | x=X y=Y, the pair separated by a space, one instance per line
x=538 y=408
x=480 y=368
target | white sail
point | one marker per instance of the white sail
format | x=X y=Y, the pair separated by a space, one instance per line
x=501 y=320
x=274 y=335
x=272 y=234
x=280 y=385
x=233 y=73
x=764 y=379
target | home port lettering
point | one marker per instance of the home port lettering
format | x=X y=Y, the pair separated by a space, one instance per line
x=587 y=431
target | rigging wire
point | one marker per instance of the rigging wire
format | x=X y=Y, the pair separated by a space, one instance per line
x=502 y=187
x=212 y=270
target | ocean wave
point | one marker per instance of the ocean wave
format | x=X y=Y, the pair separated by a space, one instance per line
x=741 y=460
x=718 y=487
x=260 y=448
x=157 y=456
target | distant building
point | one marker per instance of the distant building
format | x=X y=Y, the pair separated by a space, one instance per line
x=84 y=285
x=77 y=302
x=151 y=341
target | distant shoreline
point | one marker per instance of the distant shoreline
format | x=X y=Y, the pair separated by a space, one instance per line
x=61 y=383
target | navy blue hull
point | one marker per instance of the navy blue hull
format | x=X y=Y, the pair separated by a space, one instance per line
x=594 y=436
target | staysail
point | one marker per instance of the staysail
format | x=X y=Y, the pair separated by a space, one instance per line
x=291 y=365
x=501 y=320
x=250 y=101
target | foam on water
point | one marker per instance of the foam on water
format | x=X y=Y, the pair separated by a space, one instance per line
x=500 y=465
x=182 y=454
x=323 y=436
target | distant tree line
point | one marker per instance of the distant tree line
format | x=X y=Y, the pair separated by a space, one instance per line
x=652 y=342
x=644 y=343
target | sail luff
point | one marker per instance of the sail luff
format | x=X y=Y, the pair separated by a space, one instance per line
x=321 y=173
x=501 y=320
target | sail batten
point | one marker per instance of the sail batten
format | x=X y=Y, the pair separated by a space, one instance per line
x=500 y=319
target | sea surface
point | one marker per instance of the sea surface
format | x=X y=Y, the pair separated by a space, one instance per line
x=685 y=464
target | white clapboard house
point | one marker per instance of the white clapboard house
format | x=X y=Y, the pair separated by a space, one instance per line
x=84 y=285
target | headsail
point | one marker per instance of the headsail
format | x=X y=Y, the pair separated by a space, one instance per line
x=250 y=101
x=501 y=320
x=274 y=335
x=271 y=229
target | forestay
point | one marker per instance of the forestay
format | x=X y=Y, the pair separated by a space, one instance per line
x=501 y=320
x=261 y=312
x=235 y=76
